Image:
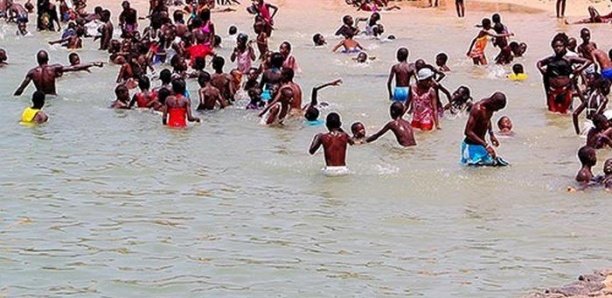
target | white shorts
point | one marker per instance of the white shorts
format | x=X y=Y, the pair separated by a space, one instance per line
x=335 y=171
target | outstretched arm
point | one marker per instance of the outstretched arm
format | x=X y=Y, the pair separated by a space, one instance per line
x=379 y=134
x=315 y=91
x=338 y=46
x=24 y=84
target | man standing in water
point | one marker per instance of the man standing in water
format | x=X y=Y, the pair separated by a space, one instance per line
x=475 y=151
x=334 y=146
x=44 y=75
x=402 y=72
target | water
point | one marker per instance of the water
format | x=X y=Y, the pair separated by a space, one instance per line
x=105 y=203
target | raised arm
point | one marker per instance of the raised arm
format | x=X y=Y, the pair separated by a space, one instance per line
x=24 y=84
x=379 y=134
x=315 y=91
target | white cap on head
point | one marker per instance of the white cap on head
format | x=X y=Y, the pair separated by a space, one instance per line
x=424 y=74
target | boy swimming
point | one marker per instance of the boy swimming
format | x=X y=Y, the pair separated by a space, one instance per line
x=518 y=73
x=35 y=114
x=504 y=124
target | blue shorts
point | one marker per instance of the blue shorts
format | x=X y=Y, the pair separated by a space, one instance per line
x=266 y=95
x=477 y=155
x=401 y=94
x=607 y=73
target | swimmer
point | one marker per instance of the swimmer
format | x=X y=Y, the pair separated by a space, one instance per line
x=45 y=75
x=178 y=108
x=3 y=57
x=252 y=77
x=22 y=29
x=122 y=98
x=402 y=72
x=475 y=151
x=441 y=60
x=461 y=101
x=347 y=27
x=209 y=94
x=518 y=50
x=311 y=112
x=359 y=133
x=596 y=102
x=349 y=44
x=271 y=78
x=599 y=57
x=255 y=97
x=221 y=80
x=518 y=73
x=588 y=159
x=600 y=135
x=607 y=179
x=476 y=50
x=335 y=144
x=319 y=40
x=144 y=98
x=504 y=124
x=401 y=128
x=233 y=33
x=363 y=58
x=276 y=112
x=35 y=114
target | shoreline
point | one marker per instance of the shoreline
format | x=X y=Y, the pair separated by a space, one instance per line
x=596 y=284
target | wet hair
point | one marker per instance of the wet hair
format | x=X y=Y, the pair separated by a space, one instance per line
x=200 y=63
x=333 y=121
x=42 y=57
x=355 y=125
x=72 y=56
x=233 y=30
x=178 y=86
x=217 y=63
x=442 y=57
x=587 y=156
x=518 y=68
x=599 y=120
x=165 y=76
x=316 y=38
x=562 y=37
x=486 y=23
x=203 y=78
x=218 y=41
x=162 y=94
x=402 y=54
x=311 y=114
x=501 y=119
x=287 y=74
x=496 y=18
x=38 y=99
x=144 y=82
x=467 y=91
x=396 y=110
x=346 y=18
x=242 y=38
x=277 y=60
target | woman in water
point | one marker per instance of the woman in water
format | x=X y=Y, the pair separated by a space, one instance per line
x=423 y=102
x=178 y=107
x=557 y=73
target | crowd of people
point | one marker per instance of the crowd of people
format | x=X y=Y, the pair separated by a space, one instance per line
x=181 y=40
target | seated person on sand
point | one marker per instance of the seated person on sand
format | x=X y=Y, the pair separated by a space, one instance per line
x=335 y=144
x=349 y=44
x=399 y=126
x=595 y=17
x=359 y=133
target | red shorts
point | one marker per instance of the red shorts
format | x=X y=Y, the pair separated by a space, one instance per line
x=559 y=100
x=424 y=125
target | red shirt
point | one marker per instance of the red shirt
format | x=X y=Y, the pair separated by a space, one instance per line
x=199 y=50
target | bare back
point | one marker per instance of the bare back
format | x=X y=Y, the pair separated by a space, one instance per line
x=403 y=132
x=335 y=144
x=402 y=71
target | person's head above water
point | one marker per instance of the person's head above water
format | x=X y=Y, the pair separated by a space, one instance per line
x=178 y=86
x=165 y=76
x=162 y=94
x=504 y=123
x=333 y=121
x=3 y=56
x=607 y=169
x=233 y=30
x=287 y=75
x=122 y=93
x=144 y=83
x=585 y=34
x=486 y=24
x=402 y=54
x=587 y=156
x=42 y=57
x=600 y=122
x=496 y=18
x=347 y=20
x=518 y=68
x=318 y=39
x=277 y=60
x=419 y=64
x=396 y=110
x=38 y=100
x=358 y=130
x=311 y=114
x=462 y=93
x=441 y=59
x=217 y=63
x=572 y=44
x=496 y=102
x=559 y=44
x=362 y=57
x=203 y=78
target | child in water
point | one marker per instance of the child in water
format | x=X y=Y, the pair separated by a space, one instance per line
x=461 y=101
x=400 y=127
x=35 y=114
x=359 y=133
x=363 y=58
x=518 y=73
x=588 y=159
x=349 y=44
x=319 y=40
x=504 y=124
x=441 y=60
x=335 y=144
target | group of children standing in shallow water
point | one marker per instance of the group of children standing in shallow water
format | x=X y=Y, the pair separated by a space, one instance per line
x=413 y=88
